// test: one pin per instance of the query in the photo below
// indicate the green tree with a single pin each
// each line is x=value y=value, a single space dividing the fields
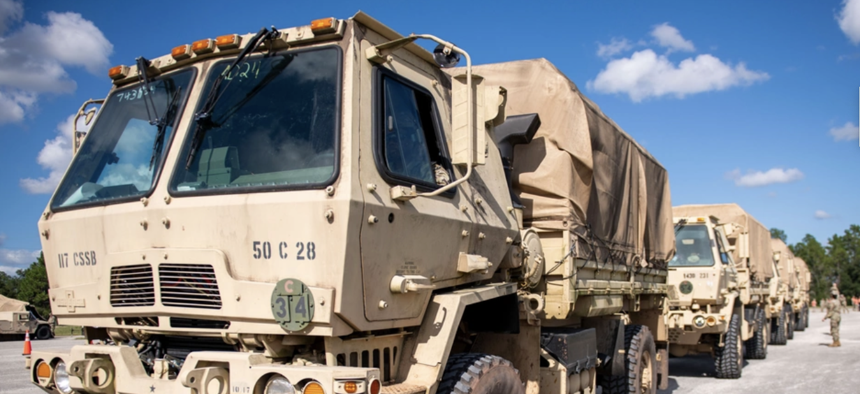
x=777 y=233
x=820 y=266
x=33 y=286
x=8 y=285
x=844 y=253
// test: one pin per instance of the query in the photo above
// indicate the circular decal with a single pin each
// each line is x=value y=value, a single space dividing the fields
x=686 y=287
x=292 y=304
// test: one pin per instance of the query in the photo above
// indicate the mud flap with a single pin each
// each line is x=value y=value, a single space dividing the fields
x=663 y=368
x=610 y=347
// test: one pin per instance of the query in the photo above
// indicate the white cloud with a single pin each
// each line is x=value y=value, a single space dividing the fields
x=849 y=20
x=821 y=215
x=54 y=157
x=615 y=46
x=646 y=74
x=33 y=59
x=12 y=260
x=759 y=178
x=846 y=132
x=668 y=36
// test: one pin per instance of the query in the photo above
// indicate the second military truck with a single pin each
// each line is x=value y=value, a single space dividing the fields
x=332 y=209
x=721 y=277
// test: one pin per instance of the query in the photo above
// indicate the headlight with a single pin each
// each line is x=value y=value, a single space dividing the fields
x=61 y=378
x=279 y=385
x=699 y=321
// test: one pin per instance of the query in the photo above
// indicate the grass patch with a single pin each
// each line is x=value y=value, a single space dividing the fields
x=67 y=331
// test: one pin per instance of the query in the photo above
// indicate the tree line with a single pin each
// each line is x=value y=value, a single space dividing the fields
x=837 y=261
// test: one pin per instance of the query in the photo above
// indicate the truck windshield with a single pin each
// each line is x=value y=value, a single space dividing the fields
x=693 y=246
x=273 y=127
x=113 y=164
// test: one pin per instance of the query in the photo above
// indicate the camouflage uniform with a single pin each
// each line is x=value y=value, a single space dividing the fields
x=843 y=303
x=835 y=318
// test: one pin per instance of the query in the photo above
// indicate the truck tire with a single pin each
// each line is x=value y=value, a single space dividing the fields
x=756 y=347
x=800 y=324
x=777 y=329
x=640 y=363
x=789 y=329
x=476 y=373
x=729 y=359
x=43 y=332
x=806 y=316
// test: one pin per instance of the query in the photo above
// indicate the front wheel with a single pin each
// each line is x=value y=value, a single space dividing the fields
x=43 y=332
x=778 y=329
x=640 y=363
x=790 y=323
x=475 y=373
x=729 y=358
x=756 y=347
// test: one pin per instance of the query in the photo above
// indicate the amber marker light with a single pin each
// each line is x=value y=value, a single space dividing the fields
x=228 y=42
x=324 y=25
x=118 y=72
x=375 y=386
x=181 y=52
x=203 y=46
x=43 y=370
x=313 y=388
x=350 y=387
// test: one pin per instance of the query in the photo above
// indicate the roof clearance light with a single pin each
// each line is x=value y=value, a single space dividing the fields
x=203 y=46
x=701 y=220
x=325 y=25
x=118 y=72
x=181 y=52
x=229 y=41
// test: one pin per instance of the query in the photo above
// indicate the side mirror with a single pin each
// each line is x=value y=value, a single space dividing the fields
x=88 y=115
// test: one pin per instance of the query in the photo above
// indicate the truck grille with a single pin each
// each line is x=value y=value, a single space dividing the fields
x=131 y=285
x=189 y=286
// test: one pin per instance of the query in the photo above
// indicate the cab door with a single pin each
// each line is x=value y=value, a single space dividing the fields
x=403 y=133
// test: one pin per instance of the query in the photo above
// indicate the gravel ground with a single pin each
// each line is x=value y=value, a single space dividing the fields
x=805 y=365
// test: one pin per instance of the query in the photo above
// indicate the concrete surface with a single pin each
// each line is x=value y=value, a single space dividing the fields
x=13 y=376
x=805 y=365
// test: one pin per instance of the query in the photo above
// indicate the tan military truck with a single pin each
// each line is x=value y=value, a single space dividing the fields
x=788 y=291
x=324 y=209
x=18 y=317
x=720 y=276
x=800 y=295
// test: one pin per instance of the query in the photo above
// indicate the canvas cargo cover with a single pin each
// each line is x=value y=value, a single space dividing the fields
x=12 y=305
x=582 y=171
x=760 y=253
x=786 y=262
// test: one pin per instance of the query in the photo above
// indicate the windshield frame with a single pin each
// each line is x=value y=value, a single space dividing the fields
x=183 y=153
x=162 y=157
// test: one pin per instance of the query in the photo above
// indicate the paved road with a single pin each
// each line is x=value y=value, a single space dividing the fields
x=13 y=375
x=806 y=365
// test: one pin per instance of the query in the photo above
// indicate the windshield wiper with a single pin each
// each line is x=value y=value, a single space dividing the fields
x=161 y=130
x=204 y=116
x=681 y=223
x=142 y=66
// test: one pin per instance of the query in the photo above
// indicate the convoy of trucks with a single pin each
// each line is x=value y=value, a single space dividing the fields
x=333 y=209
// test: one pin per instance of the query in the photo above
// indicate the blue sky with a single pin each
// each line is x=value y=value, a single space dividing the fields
x=747 y=102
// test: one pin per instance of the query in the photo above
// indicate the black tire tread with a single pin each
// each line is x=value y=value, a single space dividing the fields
x=43 y=332
x=635 y=337
x=728 y=360
x=464 y=368
x=789 y=313
x=777 y=334
x=756 y=347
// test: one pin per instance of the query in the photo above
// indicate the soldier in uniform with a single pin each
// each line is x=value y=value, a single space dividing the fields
x=835 y=318
x=843 y=304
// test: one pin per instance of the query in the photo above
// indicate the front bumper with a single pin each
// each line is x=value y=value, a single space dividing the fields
x=683 y=330
x=117 y=369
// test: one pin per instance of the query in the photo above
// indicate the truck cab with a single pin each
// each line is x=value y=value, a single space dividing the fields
x=705 y=286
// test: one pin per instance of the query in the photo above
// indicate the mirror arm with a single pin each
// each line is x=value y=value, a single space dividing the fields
x=77 y=136
x=379 y=54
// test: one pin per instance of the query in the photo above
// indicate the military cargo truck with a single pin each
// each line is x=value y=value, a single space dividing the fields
x=18 y=317
x=721 y=277
x=787 y=291
x=800 y=296
x=324 y=209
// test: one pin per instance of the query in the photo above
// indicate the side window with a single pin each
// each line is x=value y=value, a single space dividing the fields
x=410 y=148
